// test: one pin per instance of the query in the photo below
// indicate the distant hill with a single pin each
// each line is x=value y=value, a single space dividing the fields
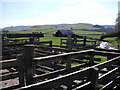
x=16 y=28
x=109 y=26
x=66 y=26
x=80 y=26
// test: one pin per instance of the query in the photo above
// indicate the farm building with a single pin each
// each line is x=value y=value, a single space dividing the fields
x=63 y=33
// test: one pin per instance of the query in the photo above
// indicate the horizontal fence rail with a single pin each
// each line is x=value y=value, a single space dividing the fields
x=56 y=76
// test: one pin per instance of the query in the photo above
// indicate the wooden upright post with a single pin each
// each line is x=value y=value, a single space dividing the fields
x=68 y=63
x=91 y=62
x=94 y=79
x=21 y=71
x=32 y=40
x=50 y=44
x=28 y=60
x=84 y=43
x=69 y=41
x=75 y=40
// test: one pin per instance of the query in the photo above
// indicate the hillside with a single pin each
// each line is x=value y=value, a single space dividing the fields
x=52 y=28
x=66 y=26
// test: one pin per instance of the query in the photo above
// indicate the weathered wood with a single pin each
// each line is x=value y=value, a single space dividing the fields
x=94 y=79
x=69 y=41
x=32 y=40
x=8 y=63
x=57 y=72
x=84 y=43
x=108 y=50
x=111 y=84
x=105 y=53
x=59 y=80
x=28 y=60
x=50 y=44
x=108 y=75
x=21 y=72
x=68 y=63
x=91 y=62
x=59 y=57
x=8 y=76
x=83 y=87
x=46 y=52
x=107 y=63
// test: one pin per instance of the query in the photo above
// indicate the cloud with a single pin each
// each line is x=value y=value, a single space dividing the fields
x=82 y=11
x=87 y=12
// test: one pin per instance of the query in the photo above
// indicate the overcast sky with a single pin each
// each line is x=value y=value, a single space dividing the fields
x=39 y=12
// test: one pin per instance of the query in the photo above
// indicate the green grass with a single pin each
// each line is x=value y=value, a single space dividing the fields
x=103 y=59
x=55 y=40
x=51 y=31
x=87 y=32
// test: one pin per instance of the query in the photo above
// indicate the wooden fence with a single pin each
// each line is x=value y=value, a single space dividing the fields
x=79 y=42
x=58 y=76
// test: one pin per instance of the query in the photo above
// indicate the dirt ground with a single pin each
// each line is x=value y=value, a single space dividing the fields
x=7 y=83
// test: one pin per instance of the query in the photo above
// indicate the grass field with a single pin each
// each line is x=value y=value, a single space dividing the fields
x=56 y=40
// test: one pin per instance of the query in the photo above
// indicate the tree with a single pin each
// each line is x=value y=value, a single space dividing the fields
x=118 y=20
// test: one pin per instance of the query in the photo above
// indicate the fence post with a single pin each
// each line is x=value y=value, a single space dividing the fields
x=84 y=43
x=94 y=79
x=75 y=41
x=69 y=41
x=61 y=42
x=31 y=40
x=28 y=60
x=68 y=63
x=21 y=70
x=50 y=44
x=91 y=62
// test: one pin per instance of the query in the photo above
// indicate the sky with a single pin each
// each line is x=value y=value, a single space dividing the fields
x=40 y=12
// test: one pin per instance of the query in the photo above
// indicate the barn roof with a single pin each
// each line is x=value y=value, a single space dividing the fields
x=65 y=32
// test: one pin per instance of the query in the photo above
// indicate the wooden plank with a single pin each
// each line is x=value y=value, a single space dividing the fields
x=68 y=63
x=59 y=80
x=46 y=52
x=57 y=72
x=94 y=78
x=69 y=41
x=9 y=76
x=108 y=50
x=105 y=53
x=55 y=66
x=114 y=61
x=28 y=60
x=111 y=84
x=91 y=61
x=21 y=70
x=59 y=57
x=73 y=77
x=8 y=63
x=83 y=87
x=107 y=75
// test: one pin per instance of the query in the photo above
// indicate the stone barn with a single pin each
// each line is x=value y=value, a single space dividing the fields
x=63 y=33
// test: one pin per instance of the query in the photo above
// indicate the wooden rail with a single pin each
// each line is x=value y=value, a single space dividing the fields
x=60 y=75
x=91 y=73
x=74 y=42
